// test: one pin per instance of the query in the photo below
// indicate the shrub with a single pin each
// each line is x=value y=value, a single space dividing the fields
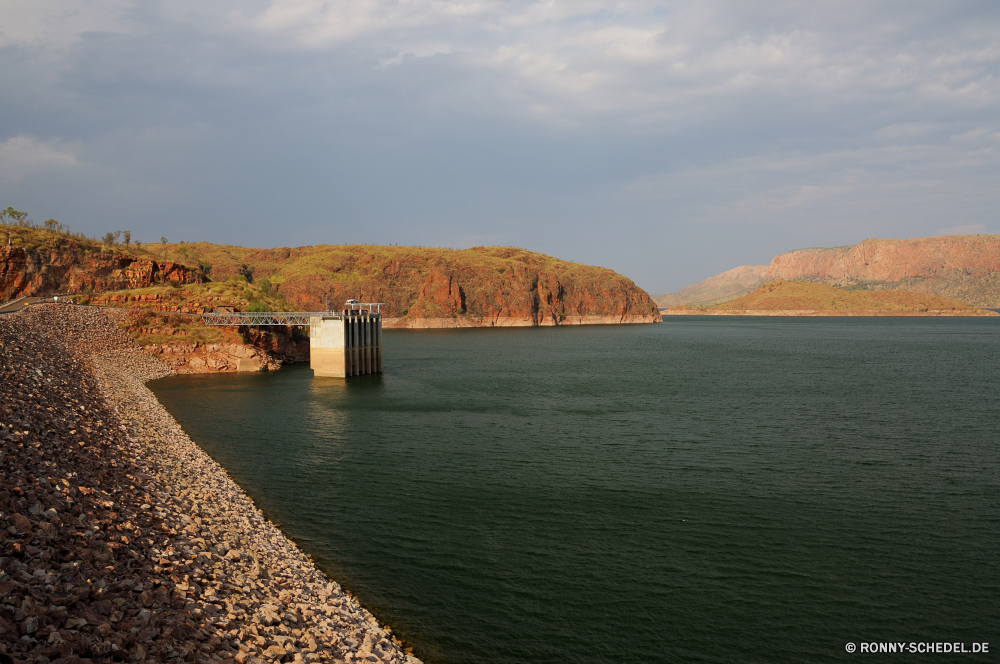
x=257 y=307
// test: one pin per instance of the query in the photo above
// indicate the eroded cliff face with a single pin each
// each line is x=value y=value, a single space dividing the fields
x=474 y=287
x=187 y=357
x=188 y=346
x=70 y=269
x=964 y=267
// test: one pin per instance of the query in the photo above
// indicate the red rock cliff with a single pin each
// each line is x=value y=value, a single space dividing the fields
x=426 y=287
x=965 y=267
x=68 y=268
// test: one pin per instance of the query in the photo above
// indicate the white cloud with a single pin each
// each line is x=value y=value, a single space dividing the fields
x=645 y=61
x=56 y=24
x=23 y=156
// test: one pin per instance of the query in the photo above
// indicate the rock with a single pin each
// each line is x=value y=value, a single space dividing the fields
x=71 y=267
x=964 y=267
x=101 y=464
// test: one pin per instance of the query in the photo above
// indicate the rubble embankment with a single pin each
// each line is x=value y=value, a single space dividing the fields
x=121 y=540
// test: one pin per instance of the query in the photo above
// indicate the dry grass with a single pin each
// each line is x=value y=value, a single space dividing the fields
x=806 y=296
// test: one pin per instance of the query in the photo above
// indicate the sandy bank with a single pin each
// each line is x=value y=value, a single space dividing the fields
x=120 y=540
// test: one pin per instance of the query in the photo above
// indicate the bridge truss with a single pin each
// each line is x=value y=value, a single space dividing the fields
x=264 y=317
x=251 y=318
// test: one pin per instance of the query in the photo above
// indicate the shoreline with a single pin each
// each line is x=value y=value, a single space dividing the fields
x=871 y=313
x=406 y=323
x=174 y=560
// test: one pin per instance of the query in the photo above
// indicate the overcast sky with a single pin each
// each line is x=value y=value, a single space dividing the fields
x=666 y=140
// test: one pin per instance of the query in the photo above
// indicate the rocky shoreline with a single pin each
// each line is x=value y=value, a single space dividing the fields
x=693 y=311
x=120 y=540
x=514 y=321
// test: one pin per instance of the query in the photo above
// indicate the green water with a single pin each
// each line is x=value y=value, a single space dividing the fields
x=705 y=490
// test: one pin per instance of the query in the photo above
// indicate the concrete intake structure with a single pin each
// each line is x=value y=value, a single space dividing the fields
x=345 y=344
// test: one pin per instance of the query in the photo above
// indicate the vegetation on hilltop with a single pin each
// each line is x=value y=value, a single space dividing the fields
x=782 y=295
x=479 y=285
x=21 y=231
x=421 y=281
x=161 y=319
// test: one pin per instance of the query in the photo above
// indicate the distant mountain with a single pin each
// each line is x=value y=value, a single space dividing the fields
x=805 y=298
x=720 y=288
x=963 y=267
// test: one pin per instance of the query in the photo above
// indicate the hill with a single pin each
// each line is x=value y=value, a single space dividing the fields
x=41 y=263
x=422 y=287
x=964 y=267
x=720 y=288
x=806 y=298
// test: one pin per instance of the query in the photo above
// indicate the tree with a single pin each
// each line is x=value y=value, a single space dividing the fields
x=16 y=216
x=109 y=239
x=127 y=237
x=52 y=225
x=247 y=271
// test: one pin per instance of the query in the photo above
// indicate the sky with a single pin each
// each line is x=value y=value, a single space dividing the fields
x=668 y=141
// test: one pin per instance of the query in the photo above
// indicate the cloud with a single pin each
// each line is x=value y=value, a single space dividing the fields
x=57 y=24
x=24 y=156
x=652 y=62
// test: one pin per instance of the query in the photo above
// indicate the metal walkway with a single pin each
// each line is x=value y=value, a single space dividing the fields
x=264 y=317
x=289 y=317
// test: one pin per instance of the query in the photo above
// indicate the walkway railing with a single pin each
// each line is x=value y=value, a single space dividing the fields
x=263 y=317
x=280 y=318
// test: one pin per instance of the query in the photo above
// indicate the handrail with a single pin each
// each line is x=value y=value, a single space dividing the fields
x=253 y=318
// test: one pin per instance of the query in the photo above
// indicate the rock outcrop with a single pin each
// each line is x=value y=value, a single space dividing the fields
x=262 y=351
x=184 y=348
x=68 y=268
x=482 y=286
x=963 y=267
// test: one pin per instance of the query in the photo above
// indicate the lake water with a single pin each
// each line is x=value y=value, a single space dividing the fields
x=705 y=490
